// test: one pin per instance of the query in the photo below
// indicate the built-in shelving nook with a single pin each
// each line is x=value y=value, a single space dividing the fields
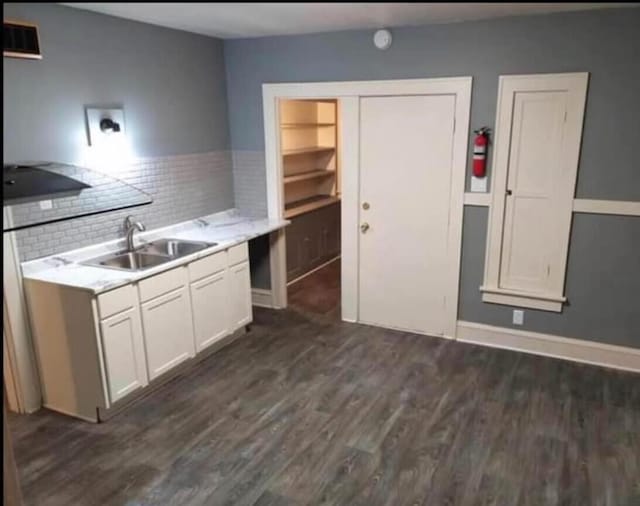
x=310 y=160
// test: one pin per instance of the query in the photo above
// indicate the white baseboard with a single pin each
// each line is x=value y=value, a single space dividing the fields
x=262 y=298
x=588 y=352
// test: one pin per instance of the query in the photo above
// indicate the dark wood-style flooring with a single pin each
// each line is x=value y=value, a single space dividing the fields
x=308 y=410
x=318 y=294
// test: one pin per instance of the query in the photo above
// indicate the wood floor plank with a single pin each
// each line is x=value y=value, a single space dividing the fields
x=308 y=410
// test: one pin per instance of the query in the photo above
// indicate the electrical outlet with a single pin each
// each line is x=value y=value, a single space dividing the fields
x=518 y=316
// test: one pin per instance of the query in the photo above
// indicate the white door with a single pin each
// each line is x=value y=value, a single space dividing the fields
x=240 y=295
x=210 y=315
x=123 y=353
x=406 y=160
x=537 y=145
x=168 y=331
x=535 y=161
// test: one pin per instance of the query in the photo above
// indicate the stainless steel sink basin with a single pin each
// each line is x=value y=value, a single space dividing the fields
x=149 y=255
x=174 y=248
x=129 y=261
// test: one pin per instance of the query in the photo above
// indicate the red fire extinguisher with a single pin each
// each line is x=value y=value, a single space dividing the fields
x=480 y=152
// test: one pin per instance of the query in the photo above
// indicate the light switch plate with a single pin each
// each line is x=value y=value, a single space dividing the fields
x=478 y=184
x=518 y=316
x=97 y=114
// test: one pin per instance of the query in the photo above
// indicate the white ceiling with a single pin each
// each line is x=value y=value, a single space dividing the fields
x=235 y=20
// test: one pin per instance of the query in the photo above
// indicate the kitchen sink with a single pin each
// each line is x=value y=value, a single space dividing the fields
x=129 y=261
x=149 y=255
x=174 y=248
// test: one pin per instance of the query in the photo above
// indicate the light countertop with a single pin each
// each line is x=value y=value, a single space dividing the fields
x=227 y=229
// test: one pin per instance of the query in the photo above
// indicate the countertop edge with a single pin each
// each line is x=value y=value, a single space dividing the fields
x=136 y=276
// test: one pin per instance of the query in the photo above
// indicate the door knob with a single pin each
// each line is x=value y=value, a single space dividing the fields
x=364 y=227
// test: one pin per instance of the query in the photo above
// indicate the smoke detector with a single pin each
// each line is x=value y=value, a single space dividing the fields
x=382 y=39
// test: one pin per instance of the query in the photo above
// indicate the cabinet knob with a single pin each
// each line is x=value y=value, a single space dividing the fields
x=364 y=227
x=509 y=192
x=365 y=205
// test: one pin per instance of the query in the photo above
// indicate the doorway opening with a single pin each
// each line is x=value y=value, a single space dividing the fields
x=371 y=248
x=311 y=170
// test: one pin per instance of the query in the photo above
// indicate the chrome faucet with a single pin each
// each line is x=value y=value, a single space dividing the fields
x=130 y=227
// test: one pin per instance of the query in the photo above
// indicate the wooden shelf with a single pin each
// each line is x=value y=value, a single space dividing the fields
x=306 y=151
x=306 y=125
x=306 y=205
x=312 y=174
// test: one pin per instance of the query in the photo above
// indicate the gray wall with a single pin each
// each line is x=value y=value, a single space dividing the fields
x=602 y=282
x=603 y=278
x=605 y=43
x=171 y=84
x=173 y=90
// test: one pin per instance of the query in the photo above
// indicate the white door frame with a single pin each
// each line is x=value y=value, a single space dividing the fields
x=348 y=93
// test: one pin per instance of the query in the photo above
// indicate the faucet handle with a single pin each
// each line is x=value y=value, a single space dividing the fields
x=127 y=221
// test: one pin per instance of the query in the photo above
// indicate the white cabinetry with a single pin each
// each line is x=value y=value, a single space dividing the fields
x=166 y=320
x=95 y=350
x=125 y=367
x=210 y=291
x=210 y=315
x=168 y=331
x=123 y=352
x=240 y=295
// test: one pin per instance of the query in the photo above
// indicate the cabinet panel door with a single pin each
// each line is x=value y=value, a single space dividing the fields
x=333 y=246
x=168 y=331
x=314 y=240
x=240 y=295
x=331 y=232
x=532 y=183
x=293 y=244
x=210 y=315
x=123 y=349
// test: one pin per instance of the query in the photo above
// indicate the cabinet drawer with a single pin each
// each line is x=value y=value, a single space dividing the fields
x=207 y=266
x=162 y=283
x=116 y=301
x=238 y=253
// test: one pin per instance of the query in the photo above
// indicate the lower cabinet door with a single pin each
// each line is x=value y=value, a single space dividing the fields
x=123 y=351
x=168 y=331
x=293 y=245
x=240 y=295
x=209 y=298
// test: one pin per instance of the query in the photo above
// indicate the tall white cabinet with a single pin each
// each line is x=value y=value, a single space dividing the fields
x=94 y=351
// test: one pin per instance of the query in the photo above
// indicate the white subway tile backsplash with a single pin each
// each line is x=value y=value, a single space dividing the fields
x=183 y=187
x=250 y=182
